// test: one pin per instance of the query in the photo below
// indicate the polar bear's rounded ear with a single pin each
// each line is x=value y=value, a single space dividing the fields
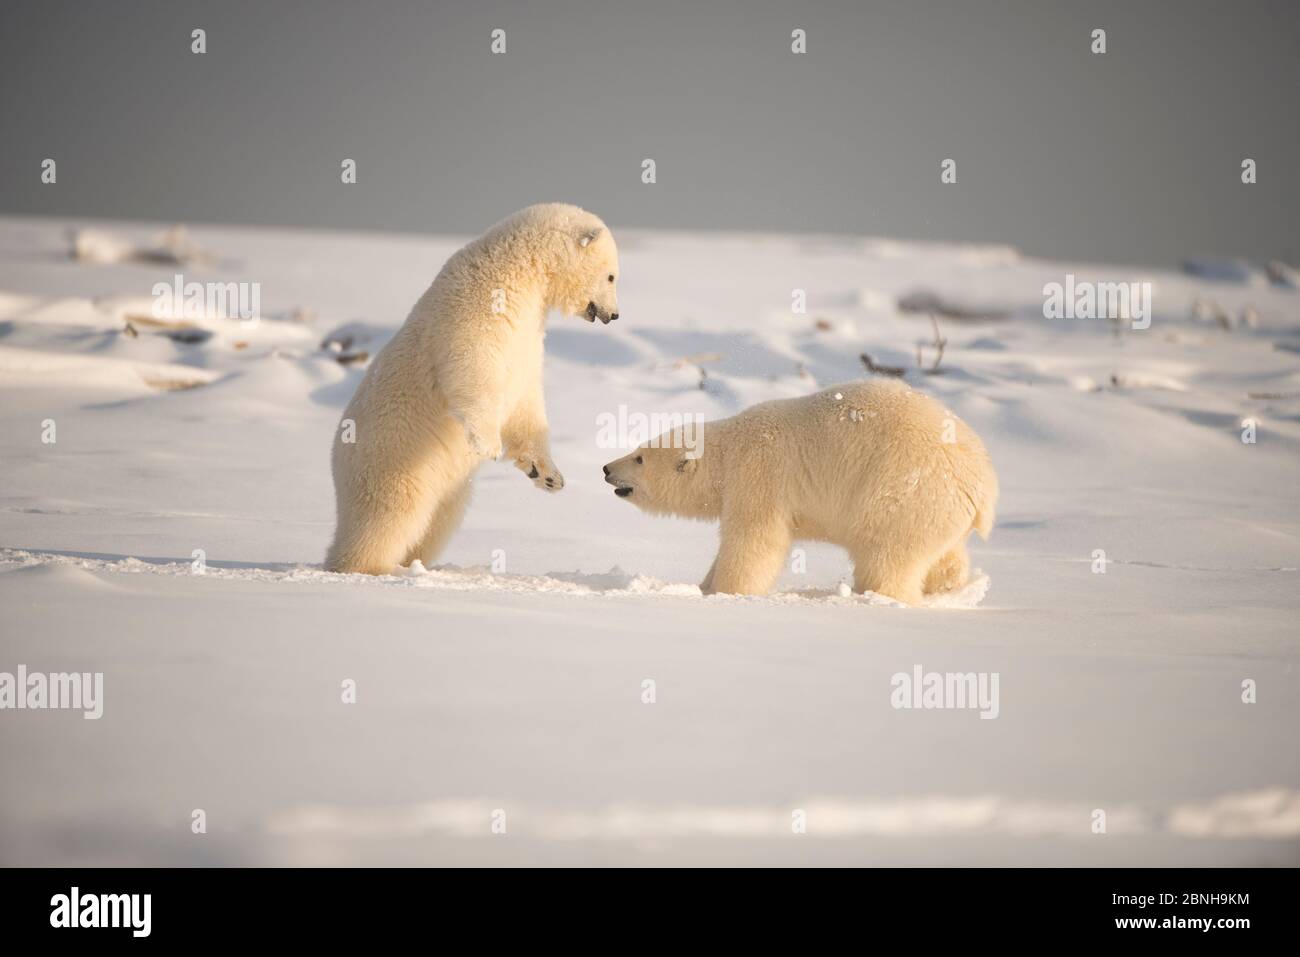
x=588 y=237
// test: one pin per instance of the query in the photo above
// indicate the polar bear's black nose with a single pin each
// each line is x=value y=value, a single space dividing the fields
x=607 y=471
x=613 y=316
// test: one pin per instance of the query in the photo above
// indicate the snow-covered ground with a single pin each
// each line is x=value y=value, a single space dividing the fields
x=507 y=684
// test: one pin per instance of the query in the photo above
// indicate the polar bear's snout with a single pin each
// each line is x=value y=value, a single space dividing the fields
x=591 y=286
x=594 y=312
x=622 y=486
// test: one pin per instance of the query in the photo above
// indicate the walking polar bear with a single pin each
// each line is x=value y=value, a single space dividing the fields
x=876 y=467
x=461 y=382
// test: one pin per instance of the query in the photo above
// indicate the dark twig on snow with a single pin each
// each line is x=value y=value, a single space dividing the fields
x=872 y=367
x=939 y=343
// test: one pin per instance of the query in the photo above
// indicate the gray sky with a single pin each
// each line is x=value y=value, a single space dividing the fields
x=1133 y=155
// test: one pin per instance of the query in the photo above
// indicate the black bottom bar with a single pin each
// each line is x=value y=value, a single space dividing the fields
x=334 y=906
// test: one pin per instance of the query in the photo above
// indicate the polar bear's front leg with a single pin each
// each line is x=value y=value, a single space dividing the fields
x=527 y=441
x=752 y=550
x=472 y=378
x=482 y=425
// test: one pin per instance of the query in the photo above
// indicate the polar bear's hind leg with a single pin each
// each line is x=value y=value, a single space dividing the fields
x=950 y=572
x=384 y=517
x=444 y=521
x=893 y=576
x=371 y=543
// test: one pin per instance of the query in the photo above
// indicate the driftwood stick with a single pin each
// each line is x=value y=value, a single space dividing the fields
x=879 y=369
x=939 y=343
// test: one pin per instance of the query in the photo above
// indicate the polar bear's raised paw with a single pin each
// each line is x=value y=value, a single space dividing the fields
x=544 y=474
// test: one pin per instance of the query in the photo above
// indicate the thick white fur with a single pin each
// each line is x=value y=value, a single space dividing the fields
x=462 y=382
x=875 y=466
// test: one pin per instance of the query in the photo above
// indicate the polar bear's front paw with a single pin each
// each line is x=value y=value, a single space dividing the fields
x=544 y=475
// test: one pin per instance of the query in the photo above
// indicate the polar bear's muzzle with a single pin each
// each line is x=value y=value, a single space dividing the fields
x=621 y=488
x=594 y=312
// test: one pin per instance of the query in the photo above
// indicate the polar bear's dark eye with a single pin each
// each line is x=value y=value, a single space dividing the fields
x=611 y=277
x=639 y=460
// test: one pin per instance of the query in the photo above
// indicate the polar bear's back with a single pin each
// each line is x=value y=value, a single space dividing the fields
x=875 y=410
x=904 y=451
x=888 y=411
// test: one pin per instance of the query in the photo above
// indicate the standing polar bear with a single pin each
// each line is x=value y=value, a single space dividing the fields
x=461 y=382
x=875 y=467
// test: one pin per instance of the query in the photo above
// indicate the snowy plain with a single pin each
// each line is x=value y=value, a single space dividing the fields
x=510 y=678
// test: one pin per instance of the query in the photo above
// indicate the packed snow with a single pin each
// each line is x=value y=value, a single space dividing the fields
x=556 y=690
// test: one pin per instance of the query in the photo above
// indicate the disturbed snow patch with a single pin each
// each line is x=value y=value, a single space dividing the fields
x=615 y=582
x=827 y=817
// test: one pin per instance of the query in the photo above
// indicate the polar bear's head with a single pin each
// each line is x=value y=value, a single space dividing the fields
x=669 y=475
x=585 y=284
x=571 y=249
